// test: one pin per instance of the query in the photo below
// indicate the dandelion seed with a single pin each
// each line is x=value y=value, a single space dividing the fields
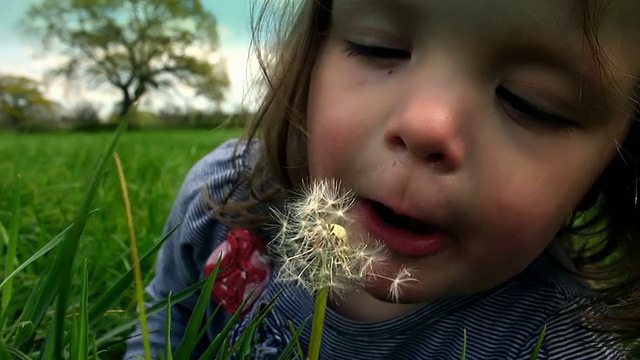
x=398 y=283
x=312 y=244
x=369 y=260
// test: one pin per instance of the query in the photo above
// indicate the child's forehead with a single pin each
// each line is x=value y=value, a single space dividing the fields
x=620 y=13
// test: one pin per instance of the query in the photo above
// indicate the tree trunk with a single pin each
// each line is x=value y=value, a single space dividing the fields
x=127 y=101
x=15 y=121
x=125 y=105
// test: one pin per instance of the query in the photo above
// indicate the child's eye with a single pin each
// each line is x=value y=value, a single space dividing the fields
x=531 y=112
x=379 y=52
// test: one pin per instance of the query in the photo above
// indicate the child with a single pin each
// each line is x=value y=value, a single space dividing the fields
x=492 y=146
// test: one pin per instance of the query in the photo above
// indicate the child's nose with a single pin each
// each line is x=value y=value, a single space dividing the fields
x=427 y=124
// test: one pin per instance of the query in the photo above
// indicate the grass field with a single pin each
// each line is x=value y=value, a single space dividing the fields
x=54 y=170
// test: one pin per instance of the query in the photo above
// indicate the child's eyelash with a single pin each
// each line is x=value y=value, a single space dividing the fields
x=522 y=106
x=531 y=111
x=354 y=49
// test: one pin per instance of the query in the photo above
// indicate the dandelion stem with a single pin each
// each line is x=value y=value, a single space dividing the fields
x=318 y=324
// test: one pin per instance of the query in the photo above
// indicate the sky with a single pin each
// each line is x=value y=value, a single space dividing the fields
x=23 y=55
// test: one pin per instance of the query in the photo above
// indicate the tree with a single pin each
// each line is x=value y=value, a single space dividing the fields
x=133 y=45
x=84 y=115
x=21 y=100
x=84 y=112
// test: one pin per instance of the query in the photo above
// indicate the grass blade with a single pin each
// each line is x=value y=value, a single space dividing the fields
x=4 y=235
x=34 y=311
x=203 y=331
x=25 y=332
x=46 y=289
x=222 y=335
x=222 y=353
x=4 y=353
x=74 y=339
x=536 y=350
x=83 y=328
x=464 y=344
x=288 y=350
x=190 y=340
x=43 y=250
x=40 y=295
x=246 y=338
x=94 y=353
x=17 y=354
x=47 y=351
x=180 y=296
x=134 y=259
x=10 y=257
x=169 y=349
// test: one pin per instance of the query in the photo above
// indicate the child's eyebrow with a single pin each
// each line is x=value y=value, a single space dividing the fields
x=357 y=6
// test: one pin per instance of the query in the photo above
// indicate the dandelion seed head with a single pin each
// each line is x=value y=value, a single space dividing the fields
x=338 y=232
x=314 y=248
x=312 y=244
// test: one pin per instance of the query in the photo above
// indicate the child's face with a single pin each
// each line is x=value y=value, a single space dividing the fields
x=481 y=119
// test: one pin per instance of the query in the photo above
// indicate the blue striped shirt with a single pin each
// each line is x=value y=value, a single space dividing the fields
x=502 y=323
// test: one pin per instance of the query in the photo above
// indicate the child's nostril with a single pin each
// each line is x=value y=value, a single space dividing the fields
x=435 y=157
x=397 y=143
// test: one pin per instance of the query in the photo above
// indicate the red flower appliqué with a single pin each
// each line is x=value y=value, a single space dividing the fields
x=243 y=267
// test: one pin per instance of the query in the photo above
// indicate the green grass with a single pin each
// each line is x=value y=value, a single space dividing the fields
x=54 y=171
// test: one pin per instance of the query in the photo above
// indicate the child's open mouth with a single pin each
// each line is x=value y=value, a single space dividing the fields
x=402 y=221
x=399 y=233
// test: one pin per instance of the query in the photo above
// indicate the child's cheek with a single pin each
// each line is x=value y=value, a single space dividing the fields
x=336 y=132
x=327 y=146
x=519 y=229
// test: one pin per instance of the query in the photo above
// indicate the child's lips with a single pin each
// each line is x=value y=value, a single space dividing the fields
x=400 y=240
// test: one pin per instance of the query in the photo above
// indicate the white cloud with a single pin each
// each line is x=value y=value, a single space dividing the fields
x=224 y=31
x=242 y=71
